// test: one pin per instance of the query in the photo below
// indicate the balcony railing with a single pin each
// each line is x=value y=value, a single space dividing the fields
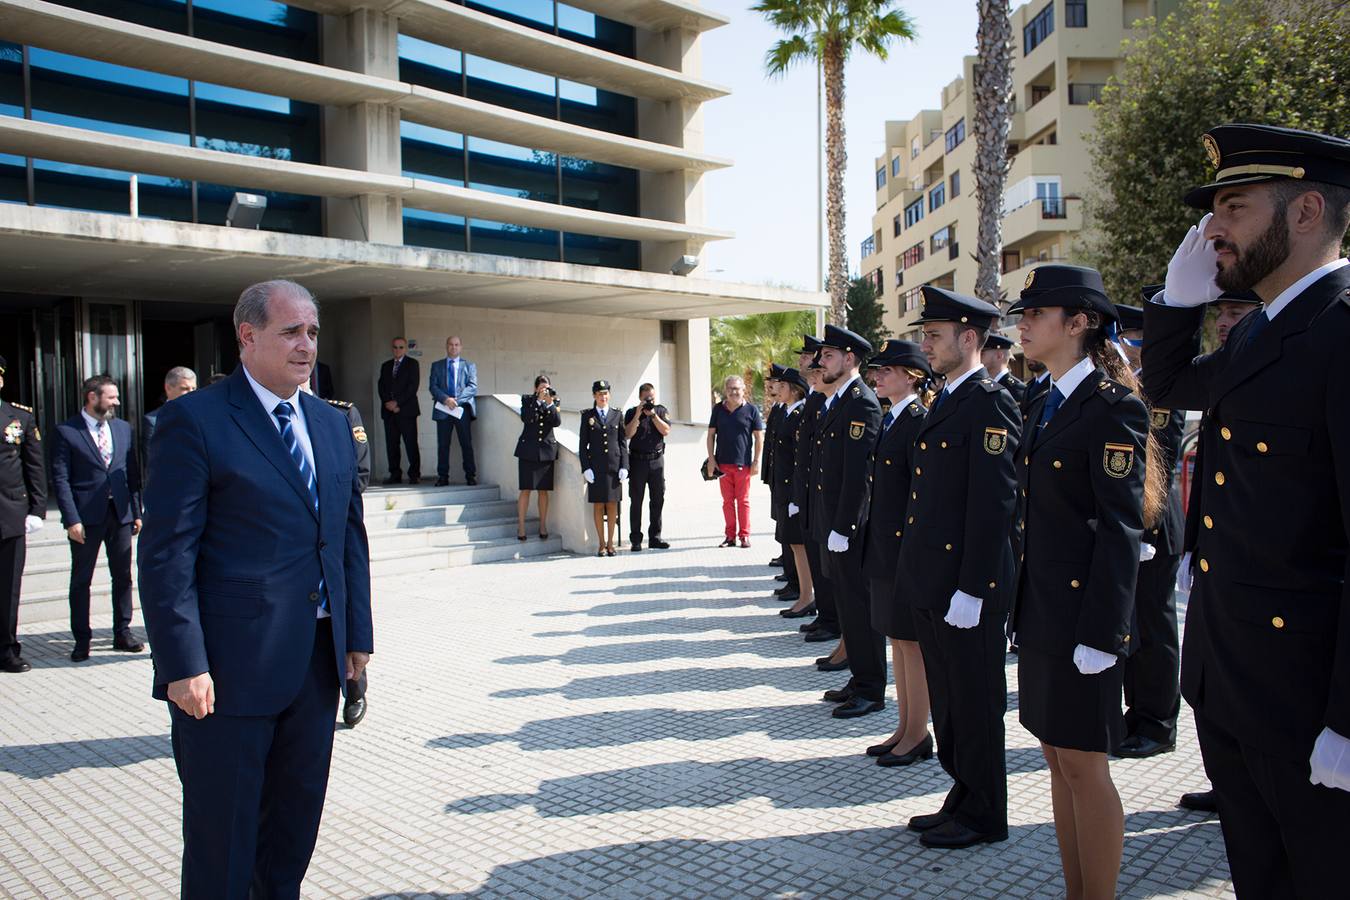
x=1054 y=208
x=869 y=246
x=953 y=250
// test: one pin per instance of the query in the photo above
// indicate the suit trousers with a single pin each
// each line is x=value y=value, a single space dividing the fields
x=1286 y=837
x=645 y=475
x=1153 y=671
x=866 y=646
x=827 y=611
x=445 y=428
x=402 y=428
x=13 y=552
x=254 y=786
x=116 y=538
x=969 y=696
x=789 y=566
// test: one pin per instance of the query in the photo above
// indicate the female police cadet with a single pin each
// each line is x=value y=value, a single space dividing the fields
x=537 y=451
x=1089 y=479
x=603 y=450
x=902 y=376
x=782 y=454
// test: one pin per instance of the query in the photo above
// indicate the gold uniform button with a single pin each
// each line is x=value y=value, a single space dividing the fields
x=918 y=471
x=1057 y=464
x=1227 y=435
x=910 y=521
x=944 y=445
x=949 y=546
x=1262 y=447
x=1204 y=565
x=993 y=584
x=1277 y=622
x=1209 y=523
x=1026 y=460
x=897 y=534
x=1218 y=478
x=1075 y=583
x=888 y=462
x=923 y=445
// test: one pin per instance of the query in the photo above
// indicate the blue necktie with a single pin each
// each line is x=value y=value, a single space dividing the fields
x=450 y=373
x=285 y=413
x=887 y=420
x=1052 y=405
x=1258 y=325
x=942 y=395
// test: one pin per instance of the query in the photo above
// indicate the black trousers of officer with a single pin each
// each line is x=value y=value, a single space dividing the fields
x=827 y=611
x=645 y=475
x=789 y=566
x=1286 y=837
x=116 y=538
x=13 y=552
x=968 y=692
x=402 y=428
x=1153 y=671
x=866 y=646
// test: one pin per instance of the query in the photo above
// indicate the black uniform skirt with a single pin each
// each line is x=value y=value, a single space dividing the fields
x=1065 y=708
x=536 y=475
x=605 y=489
x=891 y=615
x=788 y=529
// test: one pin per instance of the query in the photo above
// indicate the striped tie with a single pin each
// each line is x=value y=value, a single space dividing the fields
x=285 y=413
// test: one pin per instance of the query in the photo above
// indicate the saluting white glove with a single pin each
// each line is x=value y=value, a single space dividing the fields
x=793 y=509
x=1331 y=760
x=32 y=524
x=589 y=476
x=1090 y=661
x=836 y=543
x=964 y=611
x=623 y=474
x=1147 y=552
x=1185 y=574
x=1190 y=274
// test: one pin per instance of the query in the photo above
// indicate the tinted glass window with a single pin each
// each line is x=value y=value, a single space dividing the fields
x=432 y=153
x=504 y=239
x=502 y=85
x=422 y=228
x=430 y=65
x=589 y=250
x=258 y=25
x=86 y=93
x=600 y=187
x=170 y=15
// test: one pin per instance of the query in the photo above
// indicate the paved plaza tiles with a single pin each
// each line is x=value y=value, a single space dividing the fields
x=643 y=726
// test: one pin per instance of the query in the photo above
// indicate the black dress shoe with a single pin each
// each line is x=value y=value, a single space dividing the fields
x=414 y=479
x=952 y=835
x=924 y=750
x=15 y=666
x=353 y=712
x=471 y=480
x=776 y=561
x=929 y=821
x=394 y=479
x=1200 y=801
x=1137 y=746
x=858 y=707
x=727 y=543
x=442 y=482
x=808 y=627
x=881 y=749
x=799 y=614
x=780 y=577
x=841 y=695
x=637 y=546
x=828 y=666
x=80 y=653
x=657 y=544
x=128 y=644
x=789 y=597
x=821 y=635
x=822 y=660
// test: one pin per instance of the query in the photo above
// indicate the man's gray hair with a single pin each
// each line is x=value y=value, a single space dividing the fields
x=179 y=374
x=252 y=304
x=733 y=379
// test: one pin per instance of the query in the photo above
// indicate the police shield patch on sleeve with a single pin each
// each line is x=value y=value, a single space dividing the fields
x=1160 y=417
x=359 y=433
x=995 y=440
x=855 y=430
x=1118 y=460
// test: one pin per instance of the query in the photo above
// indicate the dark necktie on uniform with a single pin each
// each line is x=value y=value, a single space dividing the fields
x=1052 y=405
x=1259 y=323
x=887 y=420
x=285 y=413
x=942 y=395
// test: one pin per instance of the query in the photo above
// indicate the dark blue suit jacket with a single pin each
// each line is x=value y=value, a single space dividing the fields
x=232 y=551
x=83 y=486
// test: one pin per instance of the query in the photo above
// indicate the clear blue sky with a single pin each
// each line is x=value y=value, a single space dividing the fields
x=768 y=128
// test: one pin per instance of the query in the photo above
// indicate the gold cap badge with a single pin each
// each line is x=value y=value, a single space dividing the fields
x=1212 y=148
x=1031 y=276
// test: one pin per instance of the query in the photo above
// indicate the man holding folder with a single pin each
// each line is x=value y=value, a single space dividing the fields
x=454 y=385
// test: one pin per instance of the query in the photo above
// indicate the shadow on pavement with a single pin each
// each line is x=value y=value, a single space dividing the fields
x=44 y=760
x=651 y=651
x=51 y=649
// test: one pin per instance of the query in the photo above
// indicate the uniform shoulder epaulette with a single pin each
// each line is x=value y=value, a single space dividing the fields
x=1112 y=391
x=991 y=385
x=1345 y=296
x=340 y=404
x=857 y=391
x=915 y=409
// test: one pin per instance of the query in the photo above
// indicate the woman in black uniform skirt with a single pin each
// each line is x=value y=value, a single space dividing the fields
x=537 y=451
x=783 y=455
x=603 y=450
x=1089 y=480
x=902 y=375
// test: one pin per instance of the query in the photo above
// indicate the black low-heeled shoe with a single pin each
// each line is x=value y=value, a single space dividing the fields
x=799 y=614
x=923 y=750
x=543 y=535
x=521 y=537
x=881 y=749
x=828 y=666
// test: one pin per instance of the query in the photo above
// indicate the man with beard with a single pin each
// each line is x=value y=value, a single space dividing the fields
x=825 y=626
x=1266 y=662
x=837 y=503
x=957 y=559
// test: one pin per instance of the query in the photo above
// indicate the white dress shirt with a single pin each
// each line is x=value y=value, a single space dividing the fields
x=1075 y=376
x=269 y=402
x=94 y=426
x=1273 y=307
x=838 y=392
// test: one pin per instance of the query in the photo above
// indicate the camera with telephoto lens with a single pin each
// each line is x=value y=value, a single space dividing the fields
x=648 y=405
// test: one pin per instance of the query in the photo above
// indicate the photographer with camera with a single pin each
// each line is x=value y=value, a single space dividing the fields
x=646 y=426
x=537 y=451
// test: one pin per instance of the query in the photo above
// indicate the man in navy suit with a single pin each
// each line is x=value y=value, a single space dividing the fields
x=255 y=585
x=97 y=482
x=454 y=384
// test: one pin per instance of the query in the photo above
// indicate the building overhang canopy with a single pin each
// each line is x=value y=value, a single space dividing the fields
x=55 y=251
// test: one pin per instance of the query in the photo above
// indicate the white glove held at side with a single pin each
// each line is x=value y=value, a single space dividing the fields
x=623 y=474
x=964 y=611
x=1147 y=552
x=589 y=476
x=793 y=509
x=837 y=543
x=1190 y=274
x=1090 y=661
x=1331 y=760
x=32 y=524
x=1185 y=574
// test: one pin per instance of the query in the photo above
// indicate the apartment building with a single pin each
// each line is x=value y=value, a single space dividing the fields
x=926 y=222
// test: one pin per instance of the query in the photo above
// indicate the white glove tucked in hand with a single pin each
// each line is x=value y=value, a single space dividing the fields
x=589 y=476
x=1331 y=760
x=1090 y=661
x=1190 y=274
x=1147 y=552
x=964 y=611
x=793 y=509
x=623 y=474
x=32 y=524
x=836 y=543
x=1185 y=574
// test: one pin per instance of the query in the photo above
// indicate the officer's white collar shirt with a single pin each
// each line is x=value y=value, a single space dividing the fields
x=903 y=404
x=953 y=385
x=788 y=410
x=94 y=425
x=1075 y=376
x=839 y=392
x=1041 y=377
x=1002 y=373
x=1288 y=294
x=269 y=402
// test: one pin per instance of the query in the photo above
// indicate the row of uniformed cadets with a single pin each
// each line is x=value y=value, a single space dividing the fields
x=938 y=527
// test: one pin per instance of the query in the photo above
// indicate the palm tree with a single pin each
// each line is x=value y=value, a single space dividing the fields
x=746 y=345
x=827 y=32
x=993 y=117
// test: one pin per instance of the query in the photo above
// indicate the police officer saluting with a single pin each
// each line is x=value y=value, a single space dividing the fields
x=23 y=504
x=1266 y=658
x=959 y=567
x=646 y=426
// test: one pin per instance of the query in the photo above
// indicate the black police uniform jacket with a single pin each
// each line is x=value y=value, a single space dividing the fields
x=23 y=480
x=782 y=457
x=360 y=440
x=602 y=447
x=806 y=445
x=1267 y=645
x=1035 y=390
x=891 y=466
x=845 y=436
x=1079 y=522
x=536 y=442
x=961 y=499
x=1167 y=534
x=1016 y=386
x=771 y=423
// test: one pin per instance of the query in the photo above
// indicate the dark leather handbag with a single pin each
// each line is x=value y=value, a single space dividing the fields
x=703 y=470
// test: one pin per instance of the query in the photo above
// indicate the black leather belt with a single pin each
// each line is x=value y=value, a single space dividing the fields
x=646 y=456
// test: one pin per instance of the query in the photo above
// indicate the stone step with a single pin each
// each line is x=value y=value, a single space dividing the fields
x=449 y=535
x=436 y=516
x=405 y=562
x=387 y=499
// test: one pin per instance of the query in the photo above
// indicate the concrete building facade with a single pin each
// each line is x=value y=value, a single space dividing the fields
x=523 y=173
x=925 y=226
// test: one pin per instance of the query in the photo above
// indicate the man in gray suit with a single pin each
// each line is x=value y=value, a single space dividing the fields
x=454 y=388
